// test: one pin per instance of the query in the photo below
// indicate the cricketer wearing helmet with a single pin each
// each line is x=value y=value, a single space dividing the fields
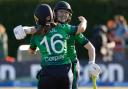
x=52 y=43
x=20 y=32
x=62 y=14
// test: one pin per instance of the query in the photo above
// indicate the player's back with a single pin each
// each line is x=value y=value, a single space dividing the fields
x=53 y=45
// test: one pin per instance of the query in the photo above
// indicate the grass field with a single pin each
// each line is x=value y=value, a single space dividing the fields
x=79 y=88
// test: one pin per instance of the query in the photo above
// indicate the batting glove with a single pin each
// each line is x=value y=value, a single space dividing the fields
x=94 y=70
x=19 y=32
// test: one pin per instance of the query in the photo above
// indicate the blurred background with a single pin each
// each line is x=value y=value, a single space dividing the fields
x=107 y=29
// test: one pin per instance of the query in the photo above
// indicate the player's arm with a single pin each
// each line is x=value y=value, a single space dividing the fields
x=94 y=69
x=77 y=29
x=21 y=32
x=32 y=51
x=33 y=46
x=91 y=52
x=82 y=40
x=82 y=26
x=29 y=30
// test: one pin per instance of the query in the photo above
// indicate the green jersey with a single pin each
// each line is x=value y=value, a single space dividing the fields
x=53 y=45
x=71 y=45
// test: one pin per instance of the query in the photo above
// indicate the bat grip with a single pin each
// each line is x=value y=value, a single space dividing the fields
x=94 y=82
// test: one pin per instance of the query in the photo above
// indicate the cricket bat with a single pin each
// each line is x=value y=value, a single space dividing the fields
x=94 y=82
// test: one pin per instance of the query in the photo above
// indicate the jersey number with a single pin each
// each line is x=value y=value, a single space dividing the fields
x=53 y=43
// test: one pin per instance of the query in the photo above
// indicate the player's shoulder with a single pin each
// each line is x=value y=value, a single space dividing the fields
x=68 y=26
x=80 y=35
x=61 y=26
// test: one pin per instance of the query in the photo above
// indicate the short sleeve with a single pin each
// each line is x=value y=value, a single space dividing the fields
x=81 y=39
x=70 y=29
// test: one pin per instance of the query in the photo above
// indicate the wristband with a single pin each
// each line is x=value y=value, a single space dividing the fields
x=91 y=62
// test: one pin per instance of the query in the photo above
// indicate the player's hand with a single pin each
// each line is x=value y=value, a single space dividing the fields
x=31 y=51
x=81 y=18
x=19 y=32
x=94 y=70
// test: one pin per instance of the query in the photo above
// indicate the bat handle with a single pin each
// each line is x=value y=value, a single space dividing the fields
x=94 y=82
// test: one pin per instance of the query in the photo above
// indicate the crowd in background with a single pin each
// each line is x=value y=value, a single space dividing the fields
x=111 y=39
x=4 y=45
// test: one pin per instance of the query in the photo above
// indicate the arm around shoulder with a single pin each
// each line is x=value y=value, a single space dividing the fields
x=82 y=26
x=21 y=32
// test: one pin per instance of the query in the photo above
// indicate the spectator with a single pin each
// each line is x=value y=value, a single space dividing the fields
x=118 y=32
x=107 y=44
x=121 y=27
x=121 y=34
x=3 y=42
x=102 y=42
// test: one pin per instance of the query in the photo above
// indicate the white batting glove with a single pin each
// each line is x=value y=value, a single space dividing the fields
x=19 y=32
x=94 y=70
